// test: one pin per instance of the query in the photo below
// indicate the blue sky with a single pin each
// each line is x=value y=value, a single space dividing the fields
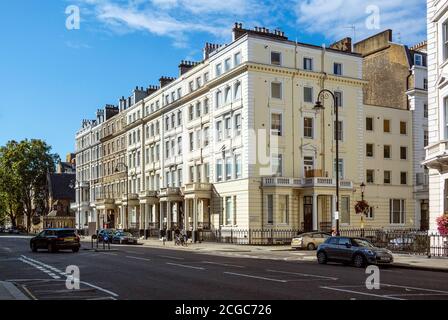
x=51 y=77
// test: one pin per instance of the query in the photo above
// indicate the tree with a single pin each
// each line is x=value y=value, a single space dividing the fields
x=23 y=175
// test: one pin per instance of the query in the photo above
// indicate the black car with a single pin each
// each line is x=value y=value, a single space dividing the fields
x=56 y=239
x=357 y=251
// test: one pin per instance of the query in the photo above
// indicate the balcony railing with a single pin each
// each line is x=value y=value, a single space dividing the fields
x=198 y=187
x=166 y=192
x=285 y=182
x=149 y=194
x=305 y=183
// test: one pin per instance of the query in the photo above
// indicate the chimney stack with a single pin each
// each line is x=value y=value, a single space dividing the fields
x=165 y=81
x=186 y=66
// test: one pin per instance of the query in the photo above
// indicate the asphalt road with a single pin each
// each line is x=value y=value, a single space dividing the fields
x=142 y=273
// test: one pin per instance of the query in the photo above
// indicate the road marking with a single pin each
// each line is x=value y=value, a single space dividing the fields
x=184 y=266
x=362 y=293
x=40 y=268
x=414 y=288
x=138 y=253
x=99 y=288
x=254 y=277
x=223 y=264
x=29 y=292
x=109 y=254
x=44 y=265
x=304 y=275
x=138 y=258
x=169 y=257
x=82 y=282
x=7 y=249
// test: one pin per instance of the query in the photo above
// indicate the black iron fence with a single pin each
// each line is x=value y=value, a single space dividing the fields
x=249 y=236
x=406 y=241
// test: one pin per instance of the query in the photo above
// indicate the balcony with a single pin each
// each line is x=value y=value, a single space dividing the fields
x=327 y=182
x=282 y=182
x=306 y=183
x=167 y=192
x=198 y=187
x=148 y=194
x=437 y=156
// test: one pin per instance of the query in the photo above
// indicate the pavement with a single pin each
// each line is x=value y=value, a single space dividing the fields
x=201 y=272
x=286 y=253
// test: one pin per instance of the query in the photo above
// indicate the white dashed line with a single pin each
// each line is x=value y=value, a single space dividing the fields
x=184 y=266
x=137 y=258
x=255 y=277
x=169 y=257
x=223 y=264
x=304 y=275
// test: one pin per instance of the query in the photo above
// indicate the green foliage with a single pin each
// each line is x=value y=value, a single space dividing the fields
x=23 y=174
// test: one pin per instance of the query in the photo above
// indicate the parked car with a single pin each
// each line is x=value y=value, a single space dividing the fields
x=124 y=238
x=106 y=233
x=13 y=231
x=357 y=251
x=56 y=239
x=309 y=240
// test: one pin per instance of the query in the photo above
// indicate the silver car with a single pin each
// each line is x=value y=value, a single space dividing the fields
x=309 y=240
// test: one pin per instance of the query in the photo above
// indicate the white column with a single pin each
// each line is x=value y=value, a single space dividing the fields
x=147 y=216
x=195 y=217
x=315 y=214
x=168 y=214
x=161 y=216
x=186 y=215
x=142 y=216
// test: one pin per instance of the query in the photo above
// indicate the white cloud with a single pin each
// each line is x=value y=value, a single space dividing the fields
x=333 y=18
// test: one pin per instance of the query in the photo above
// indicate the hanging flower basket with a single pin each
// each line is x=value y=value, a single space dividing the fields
x=362 y=207
x=442 y=225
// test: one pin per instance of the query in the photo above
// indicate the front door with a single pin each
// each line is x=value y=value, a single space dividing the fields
x=307 y=214
x=424 y=215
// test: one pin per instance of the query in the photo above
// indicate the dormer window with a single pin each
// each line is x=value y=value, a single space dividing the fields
x=418 y=60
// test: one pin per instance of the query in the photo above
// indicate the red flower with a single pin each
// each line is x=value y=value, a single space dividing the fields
x=442 y=224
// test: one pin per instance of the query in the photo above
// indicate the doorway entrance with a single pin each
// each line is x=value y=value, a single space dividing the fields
x=307 y=214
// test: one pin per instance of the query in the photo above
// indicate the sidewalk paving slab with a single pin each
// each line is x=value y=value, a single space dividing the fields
x=8 y=291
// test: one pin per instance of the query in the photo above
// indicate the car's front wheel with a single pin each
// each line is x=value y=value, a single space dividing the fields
x=311 y=247
x=322 y=258
x=33 y=247
x=359 y=261
x=75 y=250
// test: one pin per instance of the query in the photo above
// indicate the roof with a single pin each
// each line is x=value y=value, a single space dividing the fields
x=61 y=186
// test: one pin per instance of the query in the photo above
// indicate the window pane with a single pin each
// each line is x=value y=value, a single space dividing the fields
x=369 y=124
x=276 y=124
x=276 y=90
x=270 y=208
x=308 y=94
x=276 y=58
x=308 y=127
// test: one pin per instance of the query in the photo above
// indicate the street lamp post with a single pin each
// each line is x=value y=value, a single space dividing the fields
x=363 y=189
x=127 y=185
x=326 y=94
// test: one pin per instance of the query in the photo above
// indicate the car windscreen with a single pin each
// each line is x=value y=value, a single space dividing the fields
x=362 y=243
x=65 y=233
